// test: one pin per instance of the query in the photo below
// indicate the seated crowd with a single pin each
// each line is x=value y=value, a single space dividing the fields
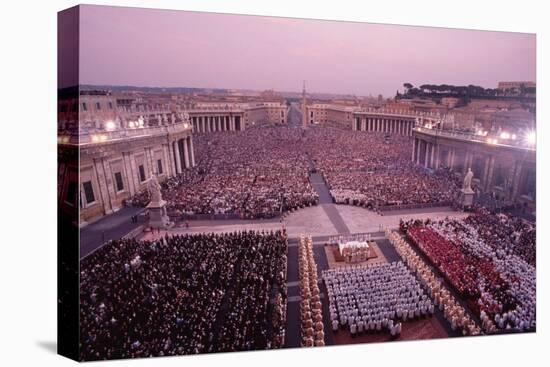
x=257 y=173
x=372 y=170
x=261 y=172
x=489 y=259
x=374 y=297
x=311 y=314
x=453 y=311
x=183 y=295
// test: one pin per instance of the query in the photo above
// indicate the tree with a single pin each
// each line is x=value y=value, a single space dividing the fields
x=408 y=87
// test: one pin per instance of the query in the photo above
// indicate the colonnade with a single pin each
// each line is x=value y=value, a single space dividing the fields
x=207 y=124
x=515 y=166
x=183 y=154
x=390 y=125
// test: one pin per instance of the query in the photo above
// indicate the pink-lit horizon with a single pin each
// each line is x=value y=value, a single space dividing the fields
x=166 y=48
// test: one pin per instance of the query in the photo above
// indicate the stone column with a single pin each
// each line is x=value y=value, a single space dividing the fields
x=185 y=152
x=149 y=161
x=166 y=166
x=413 y=150
x=172 y=155
x=191 y=151
x=178 y=156
x=489 y=176
x=426 y=155
x=128 y=173
x=437 y=155
x=432 y=155
x=483 y=177
x=516 y=179
x=102 y=185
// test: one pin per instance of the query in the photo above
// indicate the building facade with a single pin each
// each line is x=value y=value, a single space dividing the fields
x=262 y=113
x=505 y=169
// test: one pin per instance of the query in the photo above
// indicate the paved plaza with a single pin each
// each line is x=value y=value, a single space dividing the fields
x=318 y=221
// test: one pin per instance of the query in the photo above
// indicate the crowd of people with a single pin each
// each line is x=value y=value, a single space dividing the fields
x=453 y=311
x=375 y=297
x=374 y=170
x=183 y=295
x=311 y=314
x=257 y=173
x=490 y=260
x=262 y=172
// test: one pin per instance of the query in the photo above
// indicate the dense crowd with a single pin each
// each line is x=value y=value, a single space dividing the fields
x=183 y=295
x=490 y=260
x=257 y=173
x=375 y=297
x=374 y=170
x=311 y=314
x=453 y=311
x=261 y=172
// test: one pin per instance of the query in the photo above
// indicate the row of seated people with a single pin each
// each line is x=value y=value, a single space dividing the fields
x=311 y=314
x=454 y=312
x=374 y=297
x=483 y=266
x=181 y=295
x=405 y=185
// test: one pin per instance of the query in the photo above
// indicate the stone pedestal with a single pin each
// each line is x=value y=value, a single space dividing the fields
x=466 y=198
x=157 y=215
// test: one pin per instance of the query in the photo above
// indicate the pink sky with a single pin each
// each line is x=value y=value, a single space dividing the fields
x=144 y=47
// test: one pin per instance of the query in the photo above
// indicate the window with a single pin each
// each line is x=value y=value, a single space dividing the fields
x=119 y=182
x=71 y=193
x=159 y=166
x=88 y=192
x=98 y=106
x=141 y=173
x=84 y=108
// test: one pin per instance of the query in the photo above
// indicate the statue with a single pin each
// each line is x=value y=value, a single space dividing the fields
x=467 y=184
x=154 y=189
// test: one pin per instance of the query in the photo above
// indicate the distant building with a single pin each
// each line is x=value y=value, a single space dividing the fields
x=262 y=113
x=516 y=86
